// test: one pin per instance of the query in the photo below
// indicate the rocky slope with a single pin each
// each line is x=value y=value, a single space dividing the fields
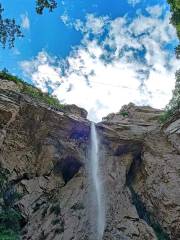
x=44 y=153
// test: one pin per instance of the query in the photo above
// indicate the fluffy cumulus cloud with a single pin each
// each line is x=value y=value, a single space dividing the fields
x=155 y=11
x=43 y=71
x=92 y=24
x=126 y=60
x=25 y=22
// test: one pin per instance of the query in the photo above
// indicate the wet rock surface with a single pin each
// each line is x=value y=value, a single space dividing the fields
x=46 y=154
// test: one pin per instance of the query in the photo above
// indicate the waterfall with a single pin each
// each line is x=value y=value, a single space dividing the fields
x=97 y=185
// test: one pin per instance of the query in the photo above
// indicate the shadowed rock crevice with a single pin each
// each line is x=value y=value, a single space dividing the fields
x=134 y=148
x=24 y=176
x=80 y=133
x=136 y=151
x=148 y=216
x=142 y=211
x=68 y=167
x=5 y=117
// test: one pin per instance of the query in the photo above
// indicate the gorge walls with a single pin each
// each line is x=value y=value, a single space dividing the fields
x=44 y=159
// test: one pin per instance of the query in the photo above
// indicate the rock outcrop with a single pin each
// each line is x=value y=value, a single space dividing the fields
x=45 y=152
x=142 y=172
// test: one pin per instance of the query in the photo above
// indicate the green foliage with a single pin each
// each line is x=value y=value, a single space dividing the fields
x=165 y=116
x=31 y=90
x=174 y=104
x=42 y=4
x=4 y=74
x=9 y=30
x=44 y=97
x=175 y=19
x=124 y=114
x=9 y=217
x=8 y=234
x=178 y=52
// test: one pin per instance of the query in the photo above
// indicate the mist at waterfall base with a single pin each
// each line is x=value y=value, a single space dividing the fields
x=98 y=206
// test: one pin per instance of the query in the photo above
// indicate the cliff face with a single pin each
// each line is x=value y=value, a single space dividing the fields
x=45 y=155
x=143 y=165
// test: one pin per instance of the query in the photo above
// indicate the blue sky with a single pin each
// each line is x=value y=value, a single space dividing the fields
x=96 y=54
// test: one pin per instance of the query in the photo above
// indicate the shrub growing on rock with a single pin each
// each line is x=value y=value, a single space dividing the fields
x=31 y=90
x=10 y=218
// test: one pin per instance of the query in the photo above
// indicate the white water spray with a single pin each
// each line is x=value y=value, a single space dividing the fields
x=97 y=184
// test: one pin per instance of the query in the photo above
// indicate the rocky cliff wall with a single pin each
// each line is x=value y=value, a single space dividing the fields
x=44 y=155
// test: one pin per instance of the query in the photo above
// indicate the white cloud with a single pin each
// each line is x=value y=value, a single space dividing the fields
x=155 y=11
x=42 y=71
x=65 y=18
x=92 y=24
x=133 y=2
x=25 y=21
x=129 y=64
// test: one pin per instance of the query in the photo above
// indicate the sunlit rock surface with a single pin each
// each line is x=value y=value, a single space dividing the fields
x=46 y=152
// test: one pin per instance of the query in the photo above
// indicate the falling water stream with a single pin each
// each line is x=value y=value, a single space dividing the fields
x=97 y=184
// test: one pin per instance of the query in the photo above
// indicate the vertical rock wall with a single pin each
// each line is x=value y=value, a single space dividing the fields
x=44 y=158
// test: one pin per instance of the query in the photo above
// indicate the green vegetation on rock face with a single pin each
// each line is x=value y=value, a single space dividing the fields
x=31 y=90
x=10 y=217
x=44 y=97
x=165 y=116
x=175 y=19
x=7 y=76
x=174 y=103
x=124 y=114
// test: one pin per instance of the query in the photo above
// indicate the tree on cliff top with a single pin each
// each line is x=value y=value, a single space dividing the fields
x=42 y=4
x=175 y=19
x=9 y=30
x=174 y=103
